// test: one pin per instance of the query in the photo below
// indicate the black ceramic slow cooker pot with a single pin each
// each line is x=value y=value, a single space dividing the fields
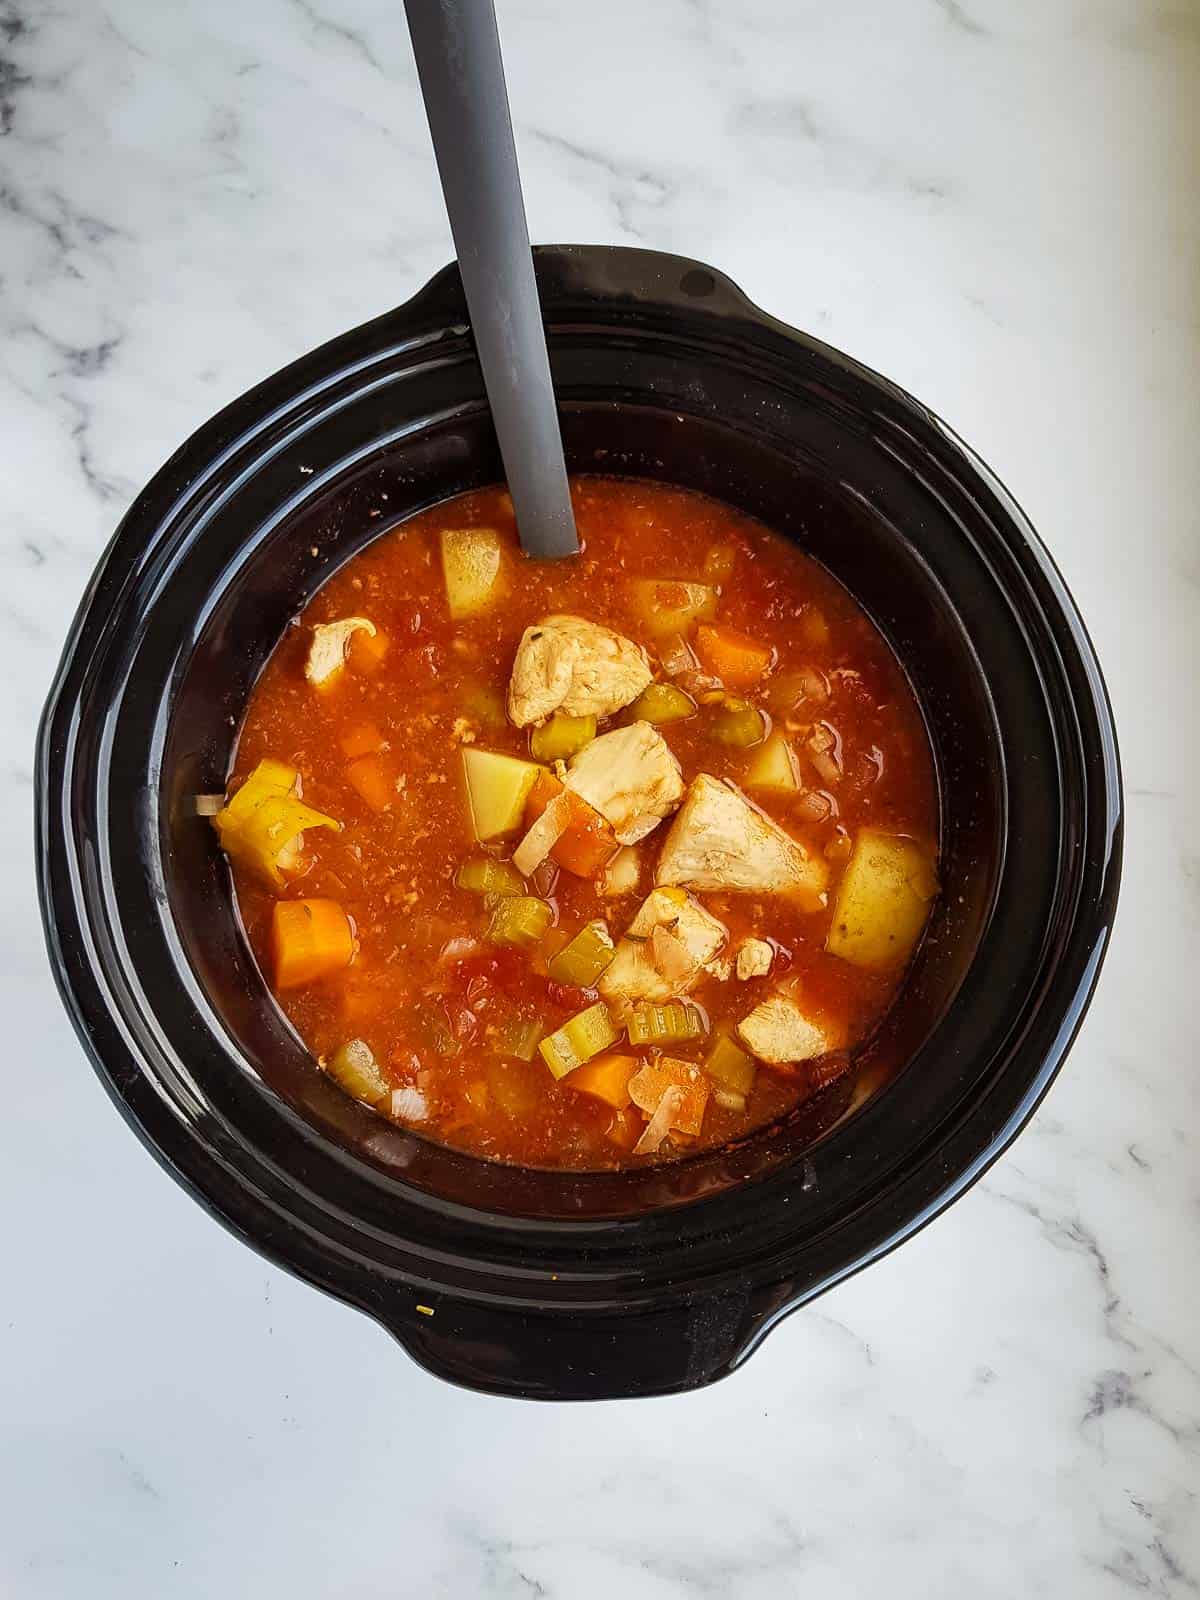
x=548 y=1284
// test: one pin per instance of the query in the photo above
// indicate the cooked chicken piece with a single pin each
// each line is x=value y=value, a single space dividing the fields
x=777 y=1031
x=330 y=641
x=568 y=664
x=664 y=950
x=621 y=875
x=754 y=959
x=630 y=777
x=720 y=841
x=721 y=969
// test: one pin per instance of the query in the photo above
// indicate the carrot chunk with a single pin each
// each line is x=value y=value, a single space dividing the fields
x=588 y=843
x=605 y=1078
x=309 y=940
x=366 y=652
x=734 y=657
x=373 y=778
x=363 y=739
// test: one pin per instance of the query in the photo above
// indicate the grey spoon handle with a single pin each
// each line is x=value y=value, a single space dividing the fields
x=457 y=48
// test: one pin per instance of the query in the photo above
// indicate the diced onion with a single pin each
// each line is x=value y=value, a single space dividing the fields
x=207 y=805
x=814 y=806
x=659 y=1126
x=543 y=836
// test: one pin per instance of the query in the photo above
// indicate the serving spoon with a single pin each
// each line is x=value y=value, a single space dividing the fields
x=457 y=47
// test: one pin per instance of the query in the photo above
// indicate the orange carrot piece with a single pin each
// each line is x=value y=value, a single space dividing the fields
x=588 y=844
x=366 y=652
x=545 y=787
x=373 y=779
x=363 y=739
x=626 y=1127
x=309 y=940
x=605 y=1078
x=734 y=657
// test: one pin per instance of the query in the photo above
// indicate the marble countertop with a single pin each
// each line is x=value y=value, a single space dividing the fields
x=994 y=203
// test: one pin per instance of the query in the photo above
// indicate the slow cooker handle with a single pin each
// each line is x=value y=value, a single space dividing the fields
x=560 y=1354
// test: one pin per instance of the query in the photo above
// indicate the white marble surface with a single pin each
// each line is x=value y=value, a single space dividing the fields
x=994 y=201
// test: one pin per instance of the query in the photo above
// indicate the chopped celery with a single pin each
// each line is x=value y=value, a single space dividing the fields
x=483 y=875
x=433 y=1032
x=561 y=737
x=661 y=703
x=517 y=1036
x=737 y=723
x=354 y=1066
x=578 y=1040
x=519 y=920
x=730 y=1066
x=585 y=958
x=485 y=704
x=669 y=1023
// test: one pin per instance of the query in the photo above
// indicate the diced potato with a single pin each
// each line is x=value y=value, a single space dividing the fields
x=606 y=1078
x=561 y=737
x=483 y=875
x=730 y=1066
x=662 y=703
x=774 y=768
x=584 y=1036
x=354 y=1066
x=664 y=606
x=519 y=920
x=719 y=563
x=882 y=901
x=498 y=787
x=473 y=566
x=670 y=1023
x=583 y=960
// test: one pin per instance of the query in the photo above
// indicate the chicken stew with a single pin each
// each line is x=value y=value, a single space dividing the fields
x=587 y=863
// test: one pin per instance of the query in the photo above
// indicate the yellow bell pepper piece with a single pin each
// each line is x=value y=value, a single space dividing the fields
x=262 y=826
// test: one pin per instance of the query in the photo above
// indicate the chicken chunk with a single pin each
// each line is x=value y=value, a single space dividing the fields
x=778 y=1032
x=330 y=642
x=630 y=777
x=719 y=841
x=664 y=951
x=754 y=959
x=568 y=664
x=621 y=876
